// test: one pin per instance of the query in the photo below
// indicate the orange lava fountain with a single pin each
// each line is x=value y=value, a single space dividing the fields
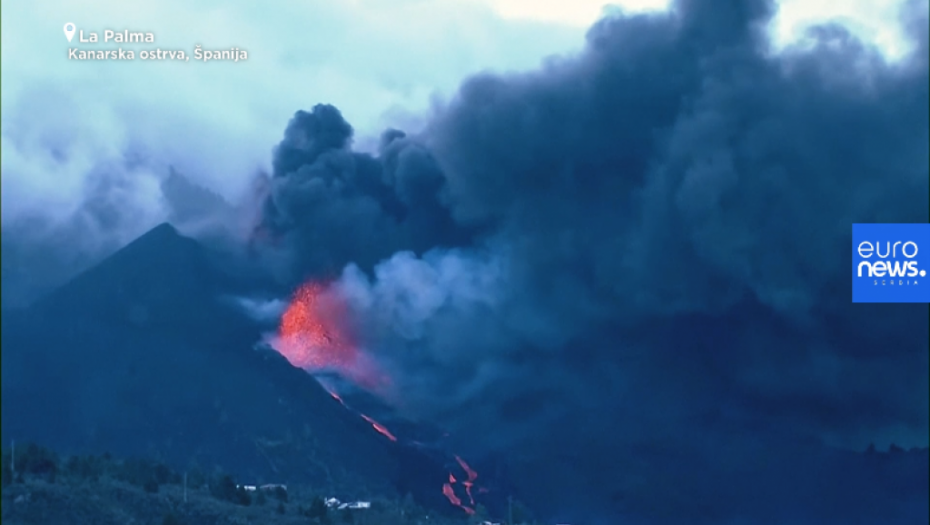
x=313 y=335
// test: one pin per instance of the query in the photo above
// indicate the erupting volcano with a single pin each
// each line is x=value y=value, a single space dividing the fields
x=313 y=335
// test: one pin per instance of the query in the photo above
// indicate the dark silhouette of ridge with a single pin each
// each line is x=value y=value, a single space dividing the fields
x=161 y=278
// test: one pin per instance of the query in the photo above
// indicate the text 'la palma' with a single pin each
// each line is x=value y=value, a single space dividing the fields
x=118 y=37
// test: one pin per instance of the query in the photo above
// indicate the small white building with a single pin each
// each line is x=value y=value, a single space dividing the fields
x=334 y=503
x=355 y=505
x=265 y=487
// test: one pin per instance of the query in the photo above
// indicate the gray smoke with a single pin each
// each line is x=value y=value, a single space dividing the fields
x=328 y=206
x=629 y=269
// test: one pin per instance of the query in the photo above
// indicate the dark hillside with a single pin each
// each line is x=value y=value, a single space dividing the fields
x=139 y=355
x=97 y=490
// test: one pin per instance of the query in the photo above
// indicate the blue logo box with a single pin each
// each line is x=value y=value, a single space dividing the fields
x=890 y=263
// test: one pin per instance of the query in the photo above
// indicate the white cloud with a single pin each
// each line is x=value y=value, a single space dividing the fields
x=377 y=60
x=875 y=21
x=218 y=122
x=573 y=12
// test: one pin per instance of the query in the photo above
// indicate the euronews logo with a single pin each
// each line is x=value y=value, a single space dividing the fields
x=888 y=266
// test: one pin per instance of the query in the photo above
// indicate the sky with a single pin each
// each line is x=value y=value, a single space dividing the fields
x=382 y=62
x=86 y=145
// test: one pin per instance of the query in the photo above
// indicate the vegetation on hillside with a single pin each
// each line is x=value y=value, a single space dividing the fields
x=39 y=487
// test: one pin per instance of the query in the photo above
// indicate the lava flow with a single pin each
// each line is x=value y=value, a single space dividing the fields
x=374 y=424
x=448 y=488
x=470 y=482
x=313 y=335
x=379 y=427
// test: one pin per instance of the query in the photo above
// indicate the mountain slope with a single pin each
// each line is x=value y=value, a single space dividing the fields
x=141 y=355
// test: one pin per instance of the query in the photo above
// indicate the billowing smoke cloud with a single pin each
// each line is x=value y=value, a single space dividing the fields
x=86 y=147
x=261 y=310
x=630 y=269
x=329 y=206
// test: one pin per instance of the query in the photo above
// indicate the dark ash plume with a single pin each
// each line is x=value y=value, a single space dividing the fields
x=330 y=206
x=629 y=270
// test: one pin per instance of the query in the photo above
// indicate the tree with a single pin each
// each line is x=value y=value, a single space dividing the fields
x=280 y=494
x=164 y=475
x=243 y=497
x=89 y=468
x=225 y=488
x=520 y=513
x=408 y=506
x=150 y=486
x=318 y=509
x=196 y=478
x=480 y=515
x=37 y=461
x=7 y=468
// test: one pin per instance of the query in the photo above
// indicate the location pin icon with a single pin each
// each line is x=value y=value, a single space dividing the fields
x=69 y=31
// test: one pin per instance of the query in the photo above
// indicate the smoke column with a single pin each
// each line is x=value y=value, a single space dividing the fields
x=629 y=269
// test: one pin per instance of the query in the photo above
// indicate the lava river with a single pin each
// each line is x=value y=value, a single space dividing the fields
x=313 y=335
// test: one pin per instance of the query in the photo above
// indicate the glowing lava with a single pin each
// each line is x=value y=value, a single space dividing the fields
x=374 y=424
x=449 y=493
x=310 y=333
x=313 y=335
x=379 y=427
x=472 y=476
x=448 y=489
